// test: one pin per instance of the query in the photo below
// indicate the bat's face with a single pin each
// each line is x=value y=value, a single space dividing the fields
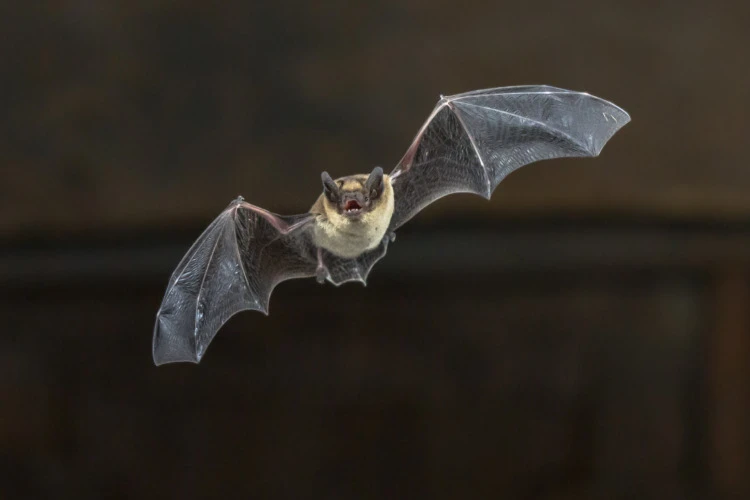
x=354 y=196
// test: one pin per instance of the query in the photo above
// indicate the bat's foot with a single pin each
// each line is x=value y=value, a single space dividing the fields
x=391 y=236
x=321 y=273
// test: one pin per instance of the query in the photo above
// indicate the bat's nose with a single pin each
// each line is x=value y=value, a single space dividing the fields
x=352 y=202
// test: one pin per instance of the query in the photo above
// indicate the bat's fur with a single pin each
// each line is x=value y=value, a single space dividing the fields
x=347 y=237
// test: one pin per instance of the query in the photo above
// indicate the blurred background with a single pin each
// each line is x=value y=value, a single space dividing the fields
x=584 y=335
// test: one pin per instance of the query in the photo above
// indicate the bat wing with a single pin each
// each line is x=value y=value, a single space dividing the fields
x=234 y=266
x=472 y=141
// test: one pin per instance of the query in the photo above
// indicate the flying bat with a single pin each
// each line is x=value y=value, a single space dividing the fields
x=469 y=143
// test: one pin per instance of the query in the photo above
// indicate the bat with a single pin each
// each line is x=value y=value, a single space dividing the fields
x=469 y=143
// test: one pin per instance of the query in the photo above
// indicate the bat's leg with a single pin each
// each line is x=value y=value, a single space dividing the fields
x=321 y=273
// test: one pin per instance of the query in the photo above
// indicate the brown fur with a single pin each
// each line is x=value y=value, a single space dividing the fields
x=347 y=237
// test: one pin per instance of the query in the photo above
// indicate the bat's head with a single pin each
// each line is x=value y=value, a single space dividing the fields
x=355 y=195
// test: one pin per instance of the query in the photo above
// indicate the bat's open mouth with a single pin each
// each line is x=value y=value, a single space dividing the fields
x=352 y=207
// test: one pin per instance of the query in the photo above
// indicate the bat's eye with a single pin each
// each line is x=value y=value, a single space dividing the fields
x=367 y=199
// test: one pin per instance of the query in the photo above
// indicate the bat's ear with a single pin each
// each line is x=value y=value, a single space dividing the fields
x=375 y=182
x=330 y=188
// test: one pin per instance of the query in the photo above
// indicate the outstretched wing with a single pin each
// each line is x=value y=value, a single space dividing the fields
x=234 y=266
x=472 y=141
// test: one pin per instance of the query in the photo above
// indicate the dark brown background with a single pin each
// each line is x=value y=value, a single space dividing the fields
x=585 y=334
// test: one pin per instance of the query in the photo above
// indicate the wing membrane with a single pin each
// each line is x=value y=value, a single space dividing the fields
x=472 y=141
x=233 y=266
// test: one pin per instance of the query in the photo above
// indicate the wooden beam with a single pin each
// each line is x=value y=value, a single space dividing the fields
x=729 y=376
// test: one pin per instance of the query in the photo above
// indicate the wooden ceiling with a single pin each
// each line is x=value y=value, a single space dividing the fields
x=151 y=114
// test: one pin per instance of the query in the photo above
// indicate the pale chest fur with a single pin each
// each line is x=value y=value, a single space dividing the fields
x=350 y=238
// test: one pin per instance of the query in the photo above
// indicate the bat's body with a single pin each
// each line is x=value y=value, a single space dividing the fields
x=469 y=143
x=355 y=231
